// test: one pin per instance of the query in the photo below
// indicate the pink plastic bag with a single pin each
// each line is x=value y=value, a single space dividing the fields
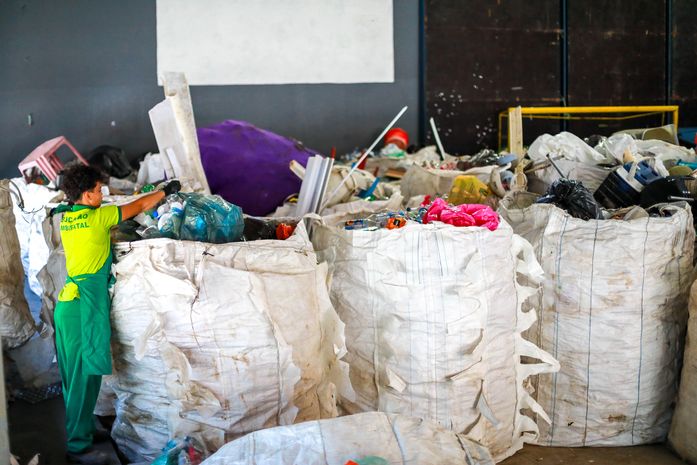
x=462 y=215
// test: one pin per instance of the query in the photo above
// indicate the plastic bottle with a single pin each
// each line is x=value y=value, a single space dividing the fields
x=369 y=460
x=389 y=220
x=170 y=222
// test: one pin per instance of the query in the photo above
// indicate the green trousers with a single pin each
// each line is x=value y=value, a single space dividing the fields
x=83 y=331
x=80 y=390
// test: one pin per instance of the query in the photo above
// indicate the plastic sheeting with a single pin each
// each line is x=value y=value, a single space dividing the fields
x=395 y=438
x=248 y=166
x=613 y=312
x=683 y=431
x=427 y=181
x=576 y=159
x=16 y=322
x=215 y=341
x=434 y=319
x=565 y=145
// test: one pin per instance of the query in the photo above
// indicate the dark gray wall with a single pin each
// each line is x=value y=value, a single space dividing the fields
x=86 y=69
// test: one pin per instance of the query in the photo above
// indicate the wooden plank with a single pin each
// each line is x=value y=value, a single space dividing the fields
x=515 y=131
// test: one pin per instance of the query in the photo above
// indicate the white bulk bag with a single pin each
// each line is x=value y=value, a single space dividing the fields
x=16 y=323
x=428 y=181
x=215 y=341
x=683 y=431
x=613 y=311
x=395 y=438
x=433 y=325
x=29 y=220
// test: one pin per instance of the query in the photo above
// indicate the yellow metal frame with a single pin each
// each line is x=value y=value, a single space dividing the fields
x=566 y=112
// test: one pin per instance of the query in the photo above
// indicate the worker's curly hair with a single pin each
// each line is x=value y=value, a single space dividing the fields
x=79 y=178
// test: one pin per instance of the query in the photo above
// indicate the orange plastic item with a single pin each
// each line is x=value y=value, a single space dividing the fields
x=350 y=462
x=395 y=223
x=284 y=231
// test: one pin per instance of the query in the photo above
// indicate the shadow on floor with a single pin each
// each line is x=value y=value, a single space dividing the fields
x=39 y=428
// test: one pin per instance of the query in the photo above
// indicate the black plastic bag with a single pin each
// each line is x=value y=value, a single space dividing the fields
x=111 y=160
x=573 y=197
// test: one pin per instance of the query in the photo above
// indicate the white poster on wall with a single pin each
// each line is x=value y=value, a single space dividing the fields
x=224 y=42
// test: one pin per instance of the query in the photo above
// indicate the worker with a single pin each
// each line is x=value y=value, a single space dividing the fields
x=81 y=318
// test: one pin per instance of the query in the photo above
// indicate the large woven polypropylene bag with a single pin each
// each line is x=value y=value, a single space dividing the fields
x=16 y=323
x=214 y=341
x=434 y=318
x=614 y=306
x=396 y=438
x=683 y=431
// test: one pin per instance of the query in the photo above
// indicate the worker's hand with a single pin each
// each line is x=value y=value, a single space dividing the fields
x=172 y=187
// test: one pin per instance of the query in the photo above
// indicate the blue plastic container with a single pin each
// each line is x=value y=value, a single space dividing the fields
x=620 y=189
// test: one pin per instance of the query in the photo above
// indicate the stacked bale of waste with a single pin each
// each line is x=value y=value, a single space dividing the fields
x=683 y=431
x=16 y=322
x=214 y=341
x=434 y=316
x=392 y=438
x=614 y=302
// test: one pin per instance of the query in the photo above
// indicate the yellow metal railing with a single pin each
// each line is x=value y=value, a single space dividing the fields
x=565 y=113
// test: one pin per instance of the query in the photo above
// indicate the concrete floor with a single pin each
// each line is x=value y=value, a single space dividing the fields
x=638 y=455
x=38 y=428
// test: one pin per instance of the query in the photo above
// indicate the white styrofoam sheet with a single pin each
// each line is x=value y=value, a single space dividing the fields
x=224 y=42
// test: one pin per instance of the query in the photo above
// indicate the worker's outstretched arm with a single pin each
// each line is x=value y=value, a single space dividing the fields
x=147 y=202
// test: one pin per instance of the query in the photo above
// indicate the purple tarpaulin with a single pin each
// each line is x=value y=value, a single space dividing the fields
x=249 y=166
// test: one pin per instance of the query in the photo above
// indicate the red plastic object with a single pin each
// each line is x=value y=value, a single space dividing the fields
x=398 y=137
x=350 y=462
x=45 y=159
x=284 y=231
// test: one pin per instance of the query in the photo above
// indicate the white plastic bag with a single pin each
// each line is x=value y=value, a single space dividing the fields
x=433 y=325
x=683 y=431
x=28 y=223
x=152 y=169
x=576 y=159
x=396 y=438
x=215 y=341
x=613 y=311
x=427 y=181
x=565 y=145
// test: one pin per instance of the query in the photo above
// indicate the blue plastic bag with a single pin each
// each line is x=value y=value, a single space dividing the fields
x=209 y=218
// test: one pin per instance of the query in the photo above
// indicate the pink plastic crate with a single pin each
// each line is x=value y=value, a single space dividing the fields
x=45 y=159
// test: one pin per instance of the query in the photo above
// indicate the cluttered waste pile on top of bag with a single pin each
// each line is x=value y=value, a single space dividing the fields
x=613 y=312
x=368 y=438
x=214 y=341
x=434 y=317
x=619 y=172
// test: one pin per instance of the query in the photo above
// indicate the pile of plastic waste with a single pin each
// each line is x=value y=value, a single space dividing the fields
x=193 y=217
x=429 y=211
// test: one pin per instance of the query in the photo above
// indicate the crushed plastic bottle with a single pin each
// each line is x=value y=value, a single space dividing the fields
x=185 y=451
x=369 y=460
x=388 y=220
x=170 y=219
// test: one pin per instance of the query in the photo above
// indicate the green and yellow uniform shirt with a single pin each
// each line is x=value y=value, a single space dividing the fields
x=86 y=239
